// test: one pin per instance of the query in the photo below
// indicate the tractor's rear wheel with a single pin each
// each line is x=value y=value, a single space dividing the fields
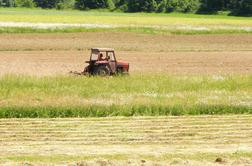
x=102 y=71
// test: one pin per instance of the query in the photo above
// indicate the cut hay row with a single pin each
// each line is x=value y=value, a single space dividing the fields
x=130 y=129
x=133 y=137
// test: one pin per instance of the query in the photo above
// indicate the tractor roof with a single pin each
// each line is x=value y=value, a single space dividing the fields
x=102 y=49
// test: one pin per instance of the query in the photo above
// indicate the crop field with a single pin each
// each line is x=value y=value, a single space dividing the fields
x=186 y=101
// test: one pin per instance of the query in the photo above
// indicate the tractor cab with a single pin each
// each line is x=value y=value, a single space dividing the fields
x=103 y=62
x=102 y=55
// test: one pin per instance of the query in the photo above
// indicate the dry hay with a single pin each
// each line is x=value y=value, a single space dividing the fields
x=131 y=140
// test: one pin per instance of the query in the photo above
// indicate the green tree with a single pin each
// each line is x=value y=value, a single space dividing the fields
x=65 y=4
x=161 y=6
x=190 y=5
x=46 y=3
x=142 y=6
x=24 y=3
x=182 y=6
x=93 y=4
x=110 y=4
x=215 y=5
x=246 y=7
x=7 y=3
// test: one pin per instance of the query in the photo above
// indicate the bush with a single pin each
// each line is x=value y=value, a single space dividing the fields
x=65 y=4
x=24 y=3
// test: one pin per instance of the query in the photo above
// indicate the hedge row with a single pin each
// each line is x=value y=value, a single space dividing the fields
x=238 y=7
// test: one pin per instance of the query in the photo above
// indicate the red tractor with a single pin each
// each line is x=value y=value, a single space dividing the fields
x=103 y=62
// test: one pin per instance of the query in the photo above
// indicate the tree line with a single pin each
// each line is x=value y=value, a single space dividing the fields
x=235 y=7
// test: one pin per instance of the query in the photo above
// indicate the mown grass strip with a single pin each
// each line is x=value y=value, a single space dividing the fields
x=167 y=156
x=142 y=30
x=114 y=110
x=105 y=17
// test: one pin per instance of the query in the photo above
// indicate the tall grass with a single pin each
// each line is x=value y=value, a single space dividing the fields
x=63 y=96
x=127 y=110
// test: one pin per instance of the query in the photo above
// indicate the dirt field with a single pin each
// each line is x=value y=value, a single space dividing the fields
x=49 y=54
x=161 y=140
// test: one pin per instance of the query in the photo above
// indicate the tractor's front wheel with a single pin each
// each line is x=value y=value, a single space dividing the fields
x=102 y=71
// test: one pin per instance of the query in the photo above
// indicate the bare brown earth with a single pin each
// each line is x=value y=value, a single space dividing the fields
x=49 y=54
x=191 y=140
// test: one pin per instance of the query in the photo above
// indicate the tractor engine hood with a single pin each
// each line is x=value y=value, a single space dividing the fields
x=121 y=63
x=124 y=65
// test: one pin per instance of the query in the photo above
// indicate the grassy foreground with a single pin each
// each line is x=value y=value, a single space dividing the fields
x=149 y=95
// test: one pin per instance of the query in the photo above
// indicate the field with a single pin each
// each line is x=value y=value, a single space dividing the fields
x=50 y=54
x=74 y=21
x=187 y=100
x=190 y=140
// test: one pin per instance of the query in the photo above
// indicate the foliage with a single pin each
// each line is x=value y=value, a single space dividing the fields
x=7 y=3
x=139 y=5
x=235 y=7
x=110 y=4
x=46 y=3
x=24 y=3
x=182 y=6
x=94 y=4
x=65 y=4
x=246 y=7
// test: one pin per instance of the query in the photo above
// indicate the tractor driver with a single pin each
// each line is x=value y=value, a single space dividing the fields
x=100 y=57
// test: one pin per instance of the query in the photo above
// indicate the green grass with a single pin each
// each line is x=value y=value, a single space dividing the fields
x=129 y=29
x=132 y=22
x=129 y=110
x=210 y=157
x=137 y=95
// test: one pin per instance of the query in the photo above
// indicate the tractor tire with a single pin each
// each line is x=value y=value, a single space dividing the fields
x=102 y=71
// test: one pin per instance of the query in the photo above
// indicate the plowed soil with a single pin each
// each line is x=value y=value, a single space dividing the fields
x=50 y=54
